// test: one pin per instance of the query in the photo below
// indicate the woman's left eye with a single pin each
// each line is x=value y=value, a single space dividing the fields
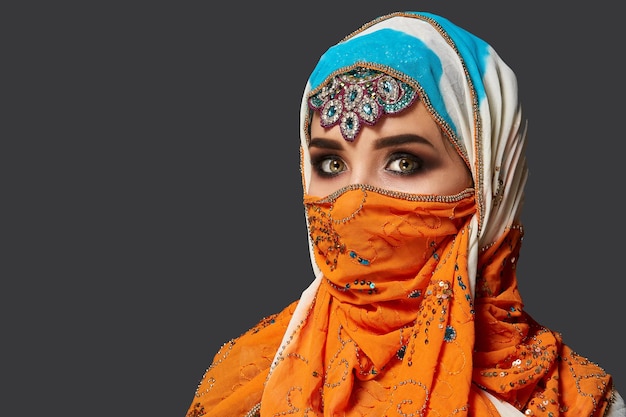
x=404 y=164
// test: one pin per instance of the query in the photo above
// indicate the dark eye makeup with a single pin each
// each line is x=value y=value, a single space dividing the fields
x=397 y=163
x=328 y=165
x=403 y=163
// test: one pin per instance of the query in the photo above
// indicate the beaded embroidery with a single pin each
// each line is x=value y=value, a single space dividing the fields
x=361 y=95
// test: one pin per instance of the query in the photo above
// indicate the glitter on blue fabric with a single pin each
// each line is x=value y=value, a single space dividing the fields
x=474 y=51
x=389 y=48
x=409 y=55
x=386 y=47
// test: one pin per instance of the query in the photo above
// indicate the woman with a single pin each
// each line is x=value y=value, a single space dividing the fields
x=413 y=168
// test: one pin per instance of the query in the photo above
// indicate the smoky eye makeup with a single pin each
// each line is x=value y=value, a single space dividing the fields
x=328 y=165
x=404 y=163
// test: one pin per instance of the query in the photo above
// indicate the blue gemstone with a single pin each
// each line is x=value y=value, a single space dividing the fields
x=450 y=334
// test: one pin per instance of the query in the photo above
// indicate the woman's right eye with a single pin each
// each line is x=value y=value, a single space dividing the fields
x=330 y=166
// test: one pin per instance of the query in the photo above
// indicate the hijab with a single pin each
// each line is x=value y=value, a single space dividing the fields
x=478 y=339
x=414 y=309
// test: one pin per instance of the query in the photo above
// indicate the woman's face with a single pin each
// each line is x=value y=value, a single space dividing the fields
x=405 y=152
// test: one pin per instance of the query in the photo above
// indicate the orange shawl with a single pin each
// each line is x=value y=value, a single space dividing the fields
x=394 y=330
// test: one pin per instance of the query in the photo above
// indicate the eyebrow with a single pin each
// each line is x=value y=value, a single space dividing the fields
x=400 y=140
x=323 y=143
x=380 y=143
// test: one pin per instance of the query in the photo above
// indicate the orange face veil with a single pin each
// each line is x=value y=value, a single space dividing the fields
x=414 y=309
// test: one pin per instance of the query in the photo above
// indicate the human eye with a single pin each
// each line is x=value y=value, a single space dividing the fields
x=404 y=164
x=328 y=166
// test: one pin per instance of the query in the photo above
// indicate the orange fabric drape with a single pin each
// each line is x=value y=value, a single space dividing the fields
x=393 y=329
x=520 y=361
x=233 y=383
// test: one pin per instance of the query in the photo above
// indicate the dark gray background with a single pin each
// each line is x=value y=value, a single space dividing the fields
x=152 y=192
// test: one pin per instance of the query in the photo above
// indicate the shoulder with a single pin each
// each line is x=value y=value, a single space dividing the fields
x=233 y=383
x=274 y=323
x=264 y=337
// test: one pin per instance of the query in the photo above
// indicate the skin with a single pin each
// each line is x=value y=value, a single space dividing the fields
x=405 y=152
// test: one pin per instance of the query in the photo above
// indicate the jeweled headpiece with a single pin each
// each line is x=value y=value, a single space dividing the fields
x=361 y=95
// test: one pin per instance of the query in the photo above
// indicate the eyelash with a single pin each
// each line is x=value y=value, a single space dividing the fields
x=403 y=155
x=320 y=161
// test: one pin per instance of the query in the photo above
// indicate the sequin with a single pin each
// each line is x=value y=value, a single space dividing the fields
x=360 y=260
x=450 y=334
